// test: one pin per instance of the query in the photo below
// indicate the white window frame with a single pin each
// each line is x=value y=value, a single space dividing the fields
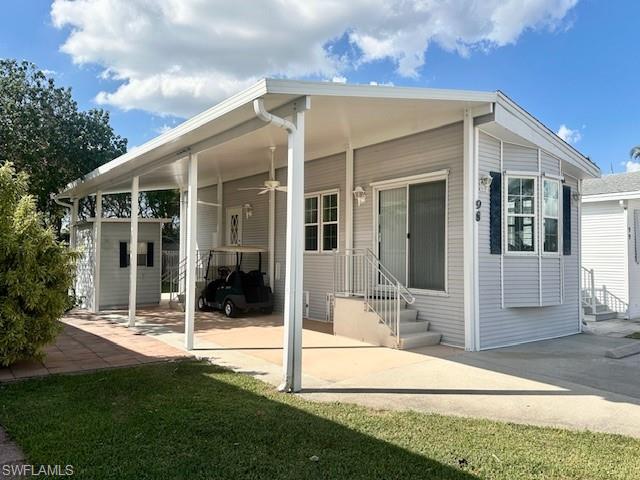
x=543 y=216
x=535 y=215
x=406 y=182
x=320 y=220
x=312 y=224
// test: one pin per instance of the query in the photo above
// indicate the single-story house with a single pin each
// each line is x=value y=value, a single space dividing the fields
x=404 y=215
x=611 y=246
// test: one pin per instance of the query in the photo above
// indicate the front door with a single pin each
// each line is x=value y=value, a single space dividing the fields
x=412 y=233
x=234 y=226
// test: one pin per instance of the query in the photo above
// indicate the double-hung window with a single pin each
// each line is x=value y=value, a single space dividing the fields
x=521 y=214
x=321 y=222
x=550 y=214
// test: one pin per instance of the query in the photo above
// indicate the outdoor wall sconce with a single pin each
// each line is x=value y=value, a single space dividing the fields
x=575 y=196
x=485 y=183
x=248 y=210
x=360 y=195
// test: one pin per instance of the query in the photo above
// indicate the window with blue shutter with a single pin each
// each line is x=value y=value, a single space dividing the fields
x=566 y=220
x=495 y=213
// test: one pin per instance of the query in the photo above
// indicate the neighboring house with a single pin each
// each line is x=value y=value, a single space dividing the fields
x=441 y=212
x=611 y=245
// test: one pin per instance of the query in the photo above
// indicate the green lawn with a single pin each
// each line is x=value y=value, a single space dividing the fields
x=193 y=420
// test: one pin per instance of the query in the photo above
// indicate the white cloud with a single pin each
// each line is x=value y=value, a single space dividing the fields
x=569 y=135
x=339 y=79
x=632 y=166
x=181 y=56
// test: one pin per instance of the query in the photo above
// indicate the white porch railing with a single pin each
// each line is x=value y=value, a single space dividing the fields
x=359 y=273
x=174 y=272
x=593 y=296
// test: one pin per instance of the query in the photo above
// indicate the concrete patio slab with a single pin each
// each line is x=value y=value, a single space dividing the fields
x=565 y=382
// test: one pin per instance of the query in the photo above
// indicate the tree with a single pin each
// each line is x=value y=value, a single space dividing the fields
x=635 y=152
x=36 y=272
x=43 y=133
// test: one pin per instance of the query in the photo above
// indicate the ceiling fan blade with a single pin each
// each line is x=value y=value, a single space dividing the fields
x=281 y=189
x=251 y=188
x=263 y=191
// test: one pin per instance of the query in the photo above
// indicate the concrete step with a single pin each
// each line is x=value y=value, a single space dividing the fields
x=407 y=315
x=407 y=328
x=599 y=308
x=415 y=340
x=606 y=315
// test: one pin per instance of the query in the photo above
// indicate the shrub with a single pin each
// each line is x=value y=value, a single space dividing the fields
x=36 y=272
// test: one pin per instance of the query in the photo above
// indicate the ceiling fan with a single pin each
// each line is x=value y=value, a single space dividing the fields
x=271 y=184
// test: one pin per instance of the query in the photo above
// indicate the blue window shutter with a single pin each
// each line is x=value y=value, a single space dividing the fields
x=149 y=254
x=124 y=258
x=566 y=220
x=495 y=213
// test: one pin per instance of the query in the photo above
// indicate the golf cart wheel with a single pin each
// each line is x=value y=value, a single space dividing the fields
x=202 y=305
x=230 y=309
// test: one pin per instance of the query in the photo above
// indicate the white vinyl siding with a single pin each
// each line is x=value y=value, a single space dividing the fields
x=633 y=211
x=604 y=245
x=114 y=280
x=207 y=216
x=326 y=174
x=519 y=276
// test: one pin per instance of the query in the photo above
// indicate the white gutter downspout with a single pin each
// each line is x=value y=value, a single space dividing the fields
x=292 y=346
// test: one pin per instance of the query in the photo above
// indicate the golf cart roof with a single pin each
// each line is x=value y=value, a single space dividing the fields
x=239 y=249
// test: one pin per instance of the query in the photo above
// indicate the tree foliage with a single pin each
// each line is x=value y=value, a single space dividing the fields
x=36 y=272
x=43 y=133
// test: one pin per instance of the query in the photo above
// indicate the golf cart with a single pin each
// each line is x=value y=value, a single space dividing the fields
x=233 y=291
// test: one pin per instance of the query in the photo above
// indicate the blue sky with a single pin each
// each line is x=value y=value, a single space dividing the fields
x=581 y=72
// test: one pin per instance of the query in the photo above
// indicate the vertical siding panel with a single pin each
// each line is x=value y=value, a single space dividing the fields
x=604 y=245
x=114 y=281
x=504 y=326
x=321 y=174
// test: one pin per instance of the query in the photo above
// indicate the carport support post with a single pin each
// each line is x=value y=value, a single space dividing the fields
x=292 y=351
x=97 y=240
x=133 y=252
x=190 y=287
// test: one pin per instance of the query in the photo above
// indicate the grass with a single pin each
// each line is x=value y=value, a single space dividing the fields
x=634 y=335
x=194 y=420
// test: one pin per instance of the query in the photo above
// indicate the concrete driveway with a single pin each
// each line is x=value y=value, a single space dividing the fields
x=566 y=382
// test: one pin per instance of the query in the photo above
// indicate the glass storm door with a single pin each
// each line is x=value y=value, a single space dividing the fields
x=412 y=234
x=392 y=231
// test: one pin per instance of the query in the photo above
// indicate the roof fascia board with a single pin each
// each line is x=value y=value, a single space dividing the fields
x=257 y=90
x=604 y=197
x=294 y=87
x=513 y=117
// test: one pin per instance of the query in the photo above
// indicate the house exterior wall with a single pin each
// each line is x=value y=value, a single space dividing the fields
x=506 y=281
x=84 y=266
x=421 y=153
x=633 y=211
x=327 y=173
x=604 y=245
x=207 y=217
x=114 y=280
x=255 y=230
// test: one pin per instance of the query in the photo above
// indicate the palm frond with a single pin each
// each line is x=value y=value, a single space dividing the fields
x=635 y=152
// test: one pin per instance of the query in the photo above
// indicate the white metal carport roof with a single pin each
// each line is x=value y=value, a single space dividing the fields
x=232 y=142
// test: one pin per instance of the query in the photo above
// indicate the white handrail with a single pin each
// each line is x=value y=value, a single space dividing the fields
x=359 y=273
